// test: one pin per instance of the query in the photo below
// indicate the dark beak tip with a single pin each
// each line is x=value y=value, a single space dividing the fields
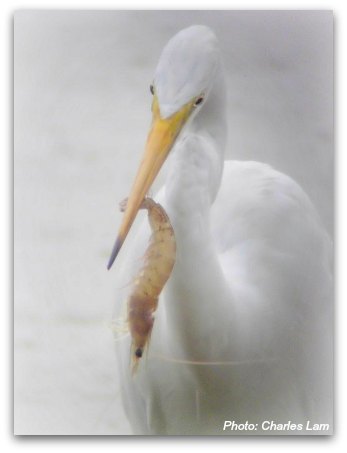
x=117 y=246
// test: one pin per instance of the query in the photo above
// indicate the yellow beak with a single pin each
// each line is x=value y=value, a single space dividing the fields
x=160 y=140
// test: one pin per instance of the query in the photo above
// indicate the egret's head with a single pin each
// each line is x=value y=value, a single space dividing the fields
x=186 y=69
x=182 y=82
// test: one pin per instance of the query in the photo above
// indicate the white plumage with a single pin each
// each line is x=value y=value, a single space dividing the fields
x=244 y=326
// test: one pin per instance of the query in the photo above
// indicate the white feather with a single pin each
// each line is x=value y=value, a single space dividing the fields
x=244 y=326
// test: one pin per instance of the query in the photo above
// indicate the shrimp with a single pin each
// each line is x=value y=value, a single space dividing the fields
x=159 y=261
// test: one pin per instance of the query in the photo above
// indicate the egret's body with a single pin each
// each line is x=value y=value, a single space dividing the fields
x=243 y=331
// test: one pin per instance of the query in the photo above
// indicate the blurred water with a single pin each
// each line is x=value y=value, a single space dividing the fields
x=81 y=115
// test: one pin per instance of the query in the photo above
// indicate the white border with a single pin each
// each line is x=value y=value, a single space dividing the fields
x=7 y=441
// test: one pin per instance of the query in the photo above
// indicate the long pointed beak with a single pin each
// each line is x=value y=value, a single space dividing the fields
x=160 y=140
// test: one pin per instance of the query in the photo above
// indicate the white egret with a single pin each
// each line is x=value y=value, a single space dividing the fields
x=244 y=326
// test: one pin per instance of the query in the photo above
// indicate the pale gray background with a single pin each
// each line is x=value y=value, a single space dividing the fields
x=82 y=110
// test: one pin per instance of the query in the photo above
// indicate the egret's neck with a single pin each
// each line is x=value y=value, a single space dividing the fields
x=192 y=185
x=198 y=157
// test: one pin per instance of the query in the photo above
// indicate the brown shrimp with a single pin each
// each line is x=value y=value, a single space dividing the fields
x=159 y=261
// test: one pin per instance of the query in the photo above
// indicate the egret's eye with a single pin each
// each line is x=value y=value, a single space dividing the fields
x=198 y=101
x=151 y=88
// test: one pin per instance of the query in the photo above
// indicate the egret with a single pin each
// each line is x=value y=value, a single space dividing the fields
x=243 y=332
